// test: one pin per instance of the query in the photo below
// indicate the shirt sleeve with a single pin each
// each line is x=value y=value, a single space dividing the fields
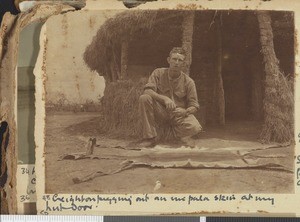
x=192 y=95
x=152 y=81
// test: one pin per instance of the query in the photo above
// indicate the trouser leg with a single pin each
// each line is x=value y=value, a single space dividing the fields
x=186 y=126
x=150 y=112
x=146 y=113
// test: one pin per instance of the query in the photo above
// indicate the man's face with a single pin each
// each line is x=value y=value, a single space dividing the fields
x=176 y=61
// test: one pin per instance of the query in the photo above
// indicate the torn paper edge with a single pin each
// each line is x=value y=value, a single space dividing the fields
x=9 y=36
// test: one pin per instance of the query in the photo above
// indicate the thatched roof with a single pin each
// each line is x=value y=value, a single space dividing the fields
x=104 y=52
x=112 y=33
x=106 y=44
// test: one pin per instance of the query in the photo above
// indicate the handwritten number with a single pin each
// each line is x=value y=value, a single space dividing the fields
x=33 y=171
x=23 y=198
x=25 y=170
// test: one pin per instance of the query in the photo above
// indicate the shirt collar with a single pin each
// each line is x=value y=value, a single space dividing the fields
x=176 y=79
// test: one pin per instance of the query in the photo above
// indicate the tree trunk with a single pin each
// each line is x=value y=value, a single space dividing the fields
x=113 y=66
x=219 y=89
x=256 y=88
x=124 y=59
x=113 y=72
x=278 y=99
x=187 y=38
x=116 y=65
x=266 y=38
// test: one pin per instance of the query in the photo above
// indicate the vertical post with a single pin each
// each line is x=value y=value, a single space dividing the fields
x=278 y=110
x=187 y=37
x=113 y=72
x=219 y=89
x=256 y=88
x=116 y=65
x=124 y=59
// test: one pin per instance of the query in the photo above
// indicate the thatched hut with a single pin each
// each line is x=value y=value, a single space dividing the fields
x=231 y=57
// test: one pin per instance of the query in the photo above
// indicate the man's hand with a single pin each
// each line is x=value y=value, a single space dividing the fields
x=164 y=100
x=170 y=105
x=180 y=112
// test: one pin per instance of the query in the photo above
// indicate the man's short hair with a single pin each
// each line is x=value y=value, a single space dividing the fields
x=178 y=50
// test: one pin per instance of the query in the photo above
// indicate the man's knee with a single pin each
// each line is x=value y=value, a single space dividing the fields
x=195 y=127
x=145 y=99
x=189 y=127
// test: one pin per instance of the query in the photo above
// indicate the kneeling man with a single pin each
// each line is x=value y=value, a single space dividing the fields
x=170 y=97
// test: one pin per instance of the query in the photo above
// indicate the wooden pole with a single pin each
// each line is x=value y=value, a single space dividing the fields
x=124 y=59
x=256 y=89
x=220 y=96
x=266 y=39
x=90 y=146
x=115 y=65
x=187 y=38
x=278 y=95
x=112 y=71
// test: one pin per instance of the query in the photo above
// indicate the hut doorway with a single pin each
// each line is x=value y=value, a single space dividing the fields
x=237 y=90
x=242 y=67
x=227 y=58
x=224 y=49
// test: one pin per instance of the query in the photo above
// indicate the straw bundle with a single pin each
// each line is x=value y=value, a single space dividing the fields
x=120 y=108
x=103 y=54
x=279 y=99
x=279 y=110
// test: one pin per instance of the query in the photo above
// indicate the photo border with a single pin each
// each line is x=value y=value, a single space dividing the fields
x=284 y=204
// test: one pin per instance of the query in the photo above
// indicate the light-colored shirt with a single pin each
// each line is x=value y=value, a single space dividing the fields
x=181 y=90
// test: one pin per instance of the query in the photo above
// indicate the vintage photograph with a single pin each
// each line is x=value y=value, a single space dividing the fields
x=169 y=101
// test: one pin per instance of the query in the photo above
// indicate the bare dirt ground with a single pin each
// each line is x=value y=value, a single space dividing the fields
x=67 y=132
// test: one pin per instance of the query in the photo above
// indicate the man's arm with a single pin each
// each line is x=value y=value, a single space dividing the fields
x=192 y=99
x=170 y=105
x=159 y=98
x=191 y=110
x=151 y=88
x=181 y=112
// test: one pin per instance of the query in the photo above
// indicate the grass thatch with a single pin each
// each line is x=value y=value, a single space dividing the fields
x=279 y=110
x=120 y=108
x=120 y=113
x=105 y=47
x=104 y=53
x=120 y=100
x=279 y=93
x=119 y=116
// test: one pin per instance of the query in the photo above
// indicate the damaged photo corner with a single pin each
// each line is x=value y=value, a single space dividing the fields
x=19 y=49
x=160 y=109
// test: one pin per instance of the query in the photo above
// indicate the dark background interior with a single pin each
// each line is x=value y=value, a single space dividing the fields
x=241 y=59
